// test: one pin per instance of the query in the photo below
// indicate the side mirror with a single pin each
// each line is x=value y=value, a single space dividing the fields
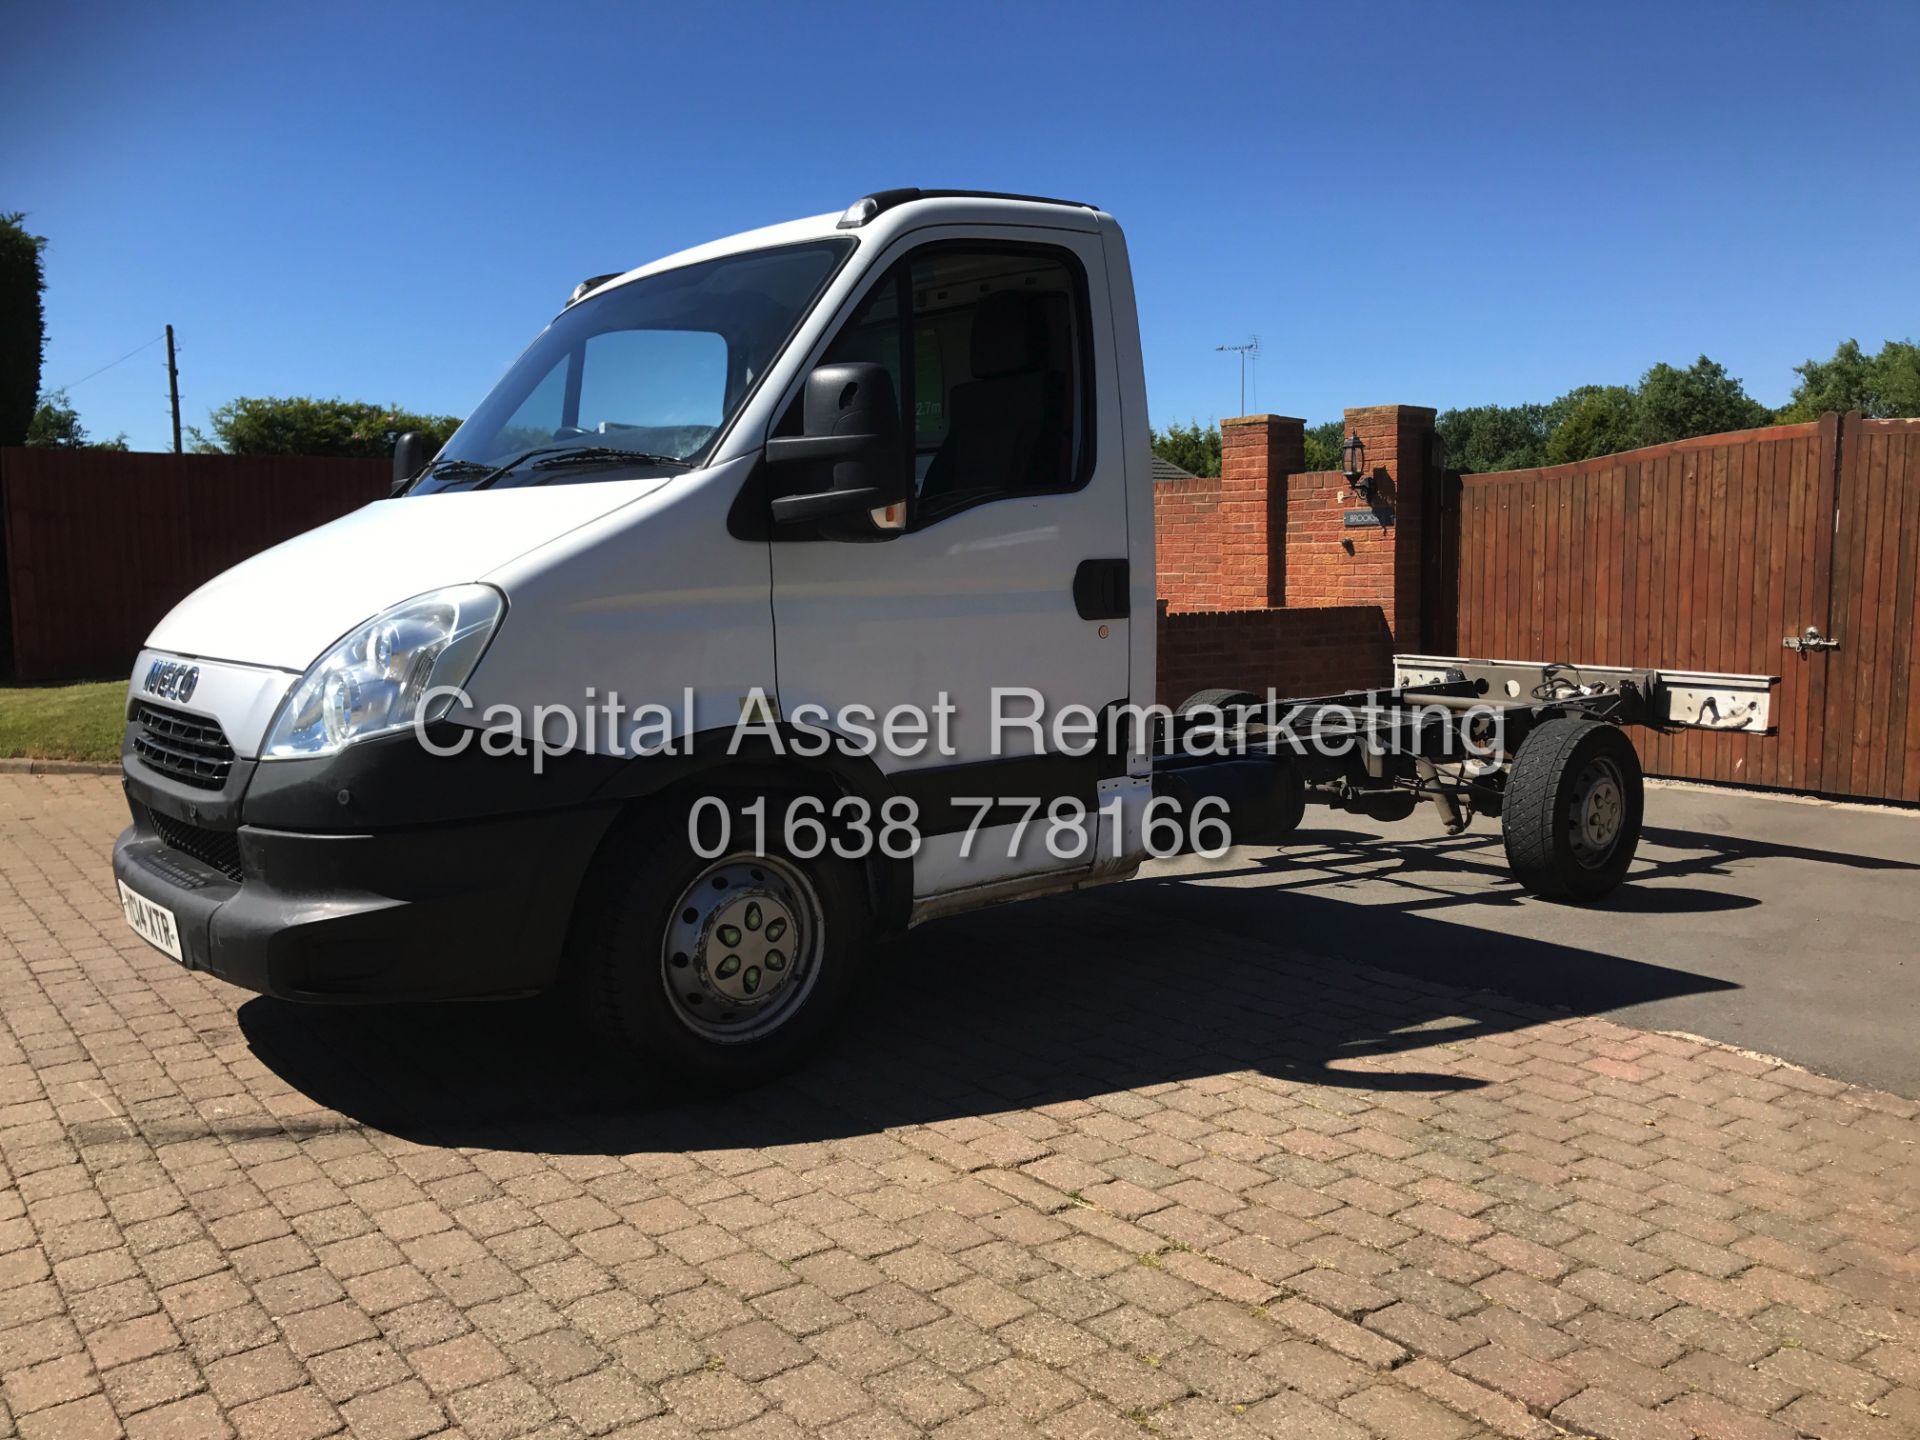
x=851 y=421
x=410 y=455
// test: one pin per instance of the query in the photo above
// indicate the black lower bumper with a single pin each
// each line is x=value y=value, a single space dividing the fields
x=452 y=912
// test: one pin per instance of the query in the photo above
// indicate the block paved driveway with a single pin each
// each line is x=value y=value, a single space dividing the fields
x=1074 y=1170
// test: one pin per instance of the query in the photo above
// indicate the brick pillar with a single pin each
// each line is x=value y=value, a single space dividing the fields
x=1257 y=453
x=1385 y=565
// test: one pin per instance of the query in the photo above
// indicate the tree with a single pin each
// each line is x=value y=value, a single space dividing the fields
x=1194 y=450
x=300 y=425
x=23 y=326
x=1323 y=445
x=56 y=425
x=1483 y=438
x=1588 y=421
x=1700 y=400
x=1881 y=387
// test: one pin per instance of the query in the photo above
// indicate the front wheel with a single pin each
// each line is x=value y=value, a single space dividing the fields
x=1572 y=810
x=724 y=969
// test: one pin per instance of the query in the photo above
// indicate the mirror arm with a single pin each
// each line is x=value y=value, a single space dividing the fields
x=785 y=448
x=796 y=509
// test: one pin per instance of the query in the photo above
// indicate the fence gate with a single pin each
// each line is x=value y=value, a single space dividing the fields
x=1709 y=554
x=1871 y=744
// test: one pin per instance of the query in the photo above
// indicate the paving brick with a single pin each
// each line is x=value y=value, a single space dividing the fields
x=712 y=1399
x=51 y=1382
x=1608 y=1416
x=197 y=1417
x=1808 y=1371
x=1497 y=1412
x=301 y=1414
x=1537 y=1384
x=91 y=1418
x=1290 y=1416
x=355 y=1369
x=143 y=1384
x=605 y=1400
x=816 y=1395
x=1423 y=1332
x=1616 y=1294
x=1336 y=1334
x=400 y=1412
x=1712 y=1418
x=1396 y=1414
x=254 y=1374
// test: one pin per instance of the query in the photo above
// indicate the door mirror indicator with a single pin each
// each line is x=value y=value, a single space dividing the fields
x=850 y=417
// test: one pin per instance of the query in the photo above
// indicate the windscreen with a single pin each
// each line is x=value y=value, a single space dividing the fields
x=656 y=366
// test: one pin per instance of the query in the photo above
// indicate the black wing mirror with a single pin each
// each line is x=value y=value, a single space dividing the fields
x=410 y=455
x=851 y=419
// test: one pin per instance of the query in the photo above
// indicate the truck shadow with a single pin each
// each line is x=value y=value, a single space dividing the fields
x=1160 y=981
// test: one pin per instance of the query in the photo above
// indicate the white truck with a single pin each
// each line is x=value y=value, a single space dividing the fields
x=785 y=593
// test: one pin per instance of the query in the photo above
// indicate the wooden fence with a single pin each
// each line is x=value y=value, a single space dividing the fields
x=101 y=544
x=1706 y=554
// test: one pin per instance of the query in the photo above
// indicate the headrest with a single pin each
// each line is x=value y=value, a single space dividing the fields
x=1009 y=334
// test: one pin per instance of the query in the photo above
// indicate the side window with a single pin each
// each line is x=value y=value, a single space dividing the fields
x=989 y=368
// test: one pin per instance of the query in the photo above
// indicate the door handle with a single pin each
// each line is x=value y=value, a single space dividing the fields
x=1100 y=589
x=1812 y=640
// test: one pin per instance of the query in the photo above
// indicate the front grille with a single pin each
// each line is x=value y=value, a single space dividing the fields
x=190 y=748
x=218 y=848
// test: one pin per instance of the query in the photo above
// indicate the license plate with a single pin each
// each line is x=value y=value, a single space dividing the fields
x=152 y=923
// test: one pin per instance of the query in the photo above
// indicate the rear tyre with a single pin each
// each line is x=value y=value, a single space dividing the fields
x=1572 y=811
x=1290 y=786
x=723 y=970
x=1215 y=699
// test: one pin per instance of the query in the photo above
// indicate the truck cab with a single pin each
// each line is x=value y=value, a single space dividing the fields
x=777 y=598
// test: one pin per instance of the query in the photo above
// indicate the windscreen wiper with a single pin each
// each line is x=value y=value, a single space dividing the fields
x=601 y=454
x=446 y=470
x=584 y=452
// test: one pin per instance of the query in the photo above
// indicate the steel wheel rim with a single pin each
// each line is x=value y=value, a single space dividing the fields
x=1598 y=813
x=742 y=948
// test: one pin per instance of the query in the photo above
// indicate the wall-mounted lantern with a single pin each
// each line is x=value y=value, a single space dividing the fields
x=1354 y=467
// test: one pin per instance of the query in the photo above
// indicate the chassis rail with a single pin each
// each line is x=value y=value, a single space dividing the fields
x=1449 y=731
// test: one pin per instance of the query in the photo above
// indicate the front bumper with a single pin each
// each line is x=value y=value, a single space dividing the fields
x=456 y=911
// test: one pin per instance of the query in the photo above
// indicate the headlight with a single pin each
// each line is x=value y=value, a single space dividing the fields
x=373 y=681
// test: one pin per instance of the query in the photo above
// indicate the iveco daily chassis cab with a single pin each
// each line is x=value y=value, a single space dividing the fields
x=881 y=471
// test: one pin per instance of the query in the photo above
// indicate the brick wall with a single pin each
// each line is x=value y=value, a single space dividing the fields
x=1319 y=651
x=1263 y=582
x=1186 y=521
x=1219 y=541
x=1327 y=563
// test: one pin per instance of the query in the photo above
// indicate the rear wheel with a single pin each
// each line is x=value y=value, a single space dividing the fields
x=1289 y=807
x=1572 y=811
x=724 y=969
x=1218 y=699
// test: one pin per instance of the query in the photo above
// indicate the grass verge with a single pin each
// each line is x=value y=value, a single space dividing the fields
x=63 y=722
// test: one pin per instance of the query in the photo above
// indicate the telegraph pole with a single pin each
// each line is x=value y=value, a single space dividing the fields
x=173 y=389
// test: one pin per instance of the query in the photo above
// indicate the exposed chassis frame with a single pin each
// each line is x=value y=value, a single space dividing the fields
x=1449 y=728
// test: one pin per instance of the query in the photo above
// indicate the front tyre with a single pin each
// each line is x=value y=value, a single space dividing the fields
x=720 y=970
x=1572 y=811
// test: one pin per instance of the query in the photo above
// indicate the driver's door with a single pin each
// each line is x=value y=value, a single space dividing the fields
x=993 y=338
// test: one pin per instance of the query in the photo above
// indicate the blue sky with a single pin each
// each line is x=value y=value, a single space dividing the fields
x=1435 y=204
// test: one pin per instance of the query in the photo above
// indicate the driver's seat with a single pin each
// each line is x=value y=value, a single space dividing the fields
x=1006 y=428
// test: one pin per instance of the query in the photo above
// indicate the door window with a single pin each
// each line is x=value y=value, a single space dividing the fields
x=991 y=370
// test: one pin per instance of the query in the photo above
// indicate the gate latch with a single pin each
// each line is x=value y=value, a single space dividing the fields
x=1812 y=640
